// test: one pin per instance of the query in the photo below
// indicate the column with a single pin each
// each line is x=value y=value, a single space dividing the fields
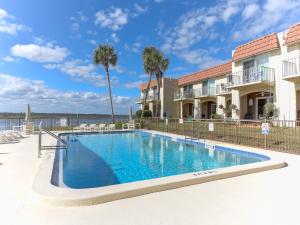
x=197 y=109
x=181 y=109
x=221 y=100
x=236 y=101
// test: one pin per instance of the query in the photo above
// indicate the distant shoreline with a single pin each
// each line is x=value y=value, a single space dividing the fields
x=5 y=115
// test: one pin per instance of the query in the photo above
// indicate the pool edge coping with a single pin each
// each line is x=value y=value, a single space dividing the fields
x=45 y=192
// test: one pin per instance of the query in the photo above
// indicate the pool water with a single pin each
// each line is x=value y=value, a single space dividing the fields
x=95 y=160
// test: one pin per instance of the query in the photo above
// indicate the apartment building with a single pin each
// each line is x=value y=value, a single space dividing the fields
x=264 y=70
x=267 y=70
x=198 y=94
x=164 y=105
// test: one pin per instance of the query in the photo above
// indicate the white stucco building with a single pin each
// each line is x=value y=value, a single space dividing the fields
x=260 y=71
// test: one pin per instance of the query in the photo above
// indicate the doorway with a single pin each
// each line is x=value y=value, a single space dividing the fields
x=260 y=104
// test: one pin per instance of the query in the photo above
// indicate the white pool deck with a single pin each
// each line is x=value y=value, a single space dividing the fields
x=269 y=197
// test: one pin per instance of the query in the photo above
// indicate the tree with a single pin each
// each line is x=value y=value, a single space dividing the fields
x=149 y=68
x=155 y=63
x=105 y=55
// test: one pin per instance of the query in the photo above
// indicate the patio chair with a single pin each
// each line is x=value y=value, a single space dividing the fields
x=8 y=137
x=131 y=125
x=83 y=127
x=91 y=127
x=111 y=127
x=102 y=127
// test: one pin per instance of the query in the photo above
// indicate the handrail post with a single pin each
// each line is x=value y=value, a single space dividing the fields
x=40 y=144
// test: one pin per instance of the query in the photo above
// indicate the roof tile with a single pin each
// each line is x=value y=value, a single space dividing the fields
x=256 y=47
x=215 y=71
x=293 y=35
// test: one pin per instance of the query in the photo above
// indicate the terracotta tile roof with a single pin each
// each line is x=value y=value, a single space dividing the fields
x=256 y=47
x=293 y=35
x=143 y=86
x=215 y=71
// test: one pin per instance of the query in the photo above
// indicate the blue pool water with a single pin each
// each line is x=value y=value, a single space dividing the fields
x=95 y=160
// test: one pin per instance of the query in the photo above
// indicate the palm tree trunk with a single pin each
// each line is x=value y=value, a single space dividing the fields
x=145 y=98
x=158 y=102
x=110 y=98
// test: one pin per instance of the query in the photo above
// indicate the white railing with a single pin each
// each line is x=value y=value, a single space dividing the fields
x=223 y=88
x=252 y=75
x=206 y=91
x=188 y=94
x=290 y=67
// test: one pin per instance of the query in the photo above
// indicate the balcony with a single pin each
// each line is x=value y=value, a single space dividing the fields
x=183 y=95
x=255 y=77
x=223 y=89
x=139 y=100
x=290 y=69
x=206 y=92
x=150 y=98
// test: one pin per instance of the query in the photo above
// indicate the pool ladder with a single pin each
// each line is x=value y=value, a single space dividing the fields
x=61 y=144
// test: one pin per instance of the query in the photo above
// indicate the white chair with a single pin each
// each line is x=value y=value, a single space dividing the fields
x=131 y=125
x=102 y=127
x=91 y=127
x=83 y=127
x=111 y=127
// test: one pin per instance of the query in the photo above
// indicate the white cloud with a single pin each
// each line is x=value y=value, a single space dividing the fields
x=242 y=20
x=230 y=8
x=16 y=92
x=93 y=42
x=114 y=37
x=80 y=72
x=201 y=57
x=113 y=18
x=273 y=15
x=250 y=11
x=9 y=27
x=139 y=9
x=131 y=85
x=37 y=53
x=77 y=20
x=8 y=58
x=3 y=14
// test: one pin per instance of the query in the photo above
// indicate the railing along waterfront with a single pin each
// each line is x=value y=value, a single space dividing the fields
x=290 y=67
x=283 y=136
x=251 y=75
x=57 y=122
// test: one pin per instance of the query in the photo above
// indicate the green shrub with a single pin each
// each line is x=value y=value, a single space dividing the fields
x=138 y=114
x=118 y=125
x=147 y=113
x=269 y=110
x=216 y=116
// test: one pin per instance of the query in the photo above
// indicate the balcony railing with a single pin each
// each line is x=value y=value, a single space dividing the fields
x=251 y=75
x=151 y=97
x=223 y=89
x=290 y=67
x=206 y=91
x=188 y=94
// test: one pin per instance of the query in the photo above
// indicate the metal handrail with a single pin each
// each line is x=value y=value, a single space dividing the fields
x=48 y=147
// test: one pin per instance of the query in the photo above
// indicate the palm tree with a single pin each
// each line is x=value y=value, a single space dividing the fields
x=106 y=56
x=154 y=63
x=162 y=65
x=148 y=56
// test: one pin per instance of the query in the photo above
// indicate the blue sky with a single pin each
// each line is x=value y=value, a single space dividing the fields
x=46 y=47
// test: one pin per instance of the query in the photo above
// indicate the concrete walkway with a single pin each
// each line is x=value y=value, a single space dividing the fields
x=270 y=197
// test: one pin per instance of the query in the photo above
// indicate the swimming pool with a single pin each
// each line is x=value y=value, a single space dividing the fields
x=97 y=160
